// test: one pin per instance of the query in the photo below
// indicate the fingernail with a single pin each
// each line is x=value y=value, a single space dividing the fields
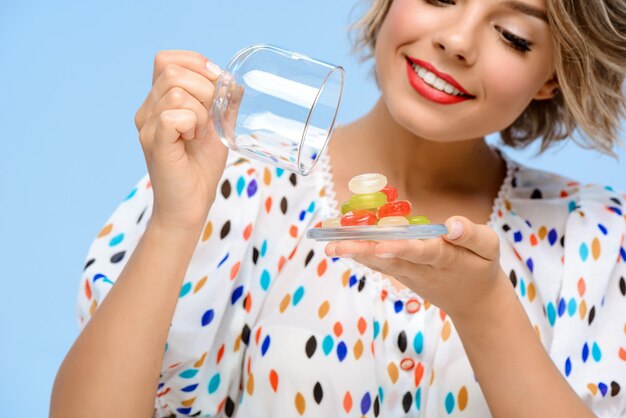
x=386 y=255
x=456 y=231
x=213 y=68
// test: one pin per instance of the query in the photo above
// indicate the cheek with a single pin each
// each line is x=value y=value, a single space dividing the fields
x=405 y=23
x=509 y=88
x=406 y=20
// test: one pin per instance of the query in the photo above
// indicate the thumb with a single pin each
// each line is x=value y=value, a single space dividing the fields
x=479 y=239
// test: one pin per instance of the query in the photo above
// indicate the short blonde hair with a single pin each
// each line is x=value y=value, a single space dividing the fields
x=590 y=43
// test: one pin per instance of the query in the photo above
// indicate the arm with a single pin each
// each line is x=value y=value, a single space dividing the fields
x=505 y=353
x=112 y=370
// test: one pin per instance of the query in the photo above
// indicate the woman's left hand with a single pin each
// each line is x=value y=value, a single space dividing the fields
x=458 y=272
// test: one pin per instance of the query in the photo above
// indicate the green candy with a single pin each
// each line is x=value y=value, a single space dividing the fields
x=418 y=220
x=345 y=208
x=367 y=200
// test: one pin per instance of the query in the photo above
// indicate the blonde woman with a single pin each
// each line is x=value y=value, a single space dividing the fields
x=201 y=296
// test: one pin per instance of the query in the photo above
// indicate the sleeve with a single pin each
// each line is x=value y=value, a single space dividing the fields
x=222 y=292
x=589 y=319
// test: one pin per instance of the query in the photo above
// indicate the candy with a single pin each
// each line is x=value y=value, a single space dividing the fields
x=367 y=183
x=418 y=220
x=331 y=223
x=397 y=208
x=367 y=200
x=374 y=203
x=358 y=217
x=391 y=192
x=393 y=220
x=345 y=208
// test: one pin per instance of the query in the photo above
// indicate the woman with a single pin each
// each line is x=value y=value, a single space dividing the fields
x=221 y=306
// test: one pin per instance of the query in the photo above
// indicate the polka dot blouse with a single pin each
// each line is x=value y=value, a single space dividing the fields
x=267 y=325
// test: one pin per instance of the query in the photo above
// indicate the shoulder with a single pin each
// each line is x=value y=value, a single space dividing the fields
x=537 y=196
x=558 y=226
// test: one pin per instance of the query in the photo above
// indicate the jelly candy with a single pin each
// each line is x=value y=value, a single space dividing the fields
x=393 y=220
x=391 y=192
x=345 y=208
x=374 y=203
x=367 y=183
x=331 y=223
x=358 y=217
x=418 y=220
x=367 y=200
x=397 y=208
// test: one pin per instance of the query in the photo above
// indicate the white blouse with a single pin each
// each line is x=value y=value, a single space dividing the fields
x=267 y=325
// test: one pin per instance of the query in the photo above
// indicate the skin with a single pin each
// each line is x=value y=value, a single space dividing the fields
x=439 y=158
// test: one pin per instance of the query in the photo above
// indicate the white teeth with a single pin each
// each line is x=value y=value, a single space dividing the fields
x=432 y=80
x=439 y=84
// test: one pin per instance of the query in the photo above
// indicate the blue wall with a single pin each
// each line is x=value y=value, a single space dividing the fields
x=73 y=75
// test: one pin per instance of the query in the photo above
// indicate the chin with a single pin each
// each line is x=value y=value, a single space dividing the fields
x=436 y=126
x=424 y=125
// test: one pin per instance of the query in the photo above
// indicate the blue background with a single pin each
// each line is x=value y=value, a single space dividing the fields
x=73 y=75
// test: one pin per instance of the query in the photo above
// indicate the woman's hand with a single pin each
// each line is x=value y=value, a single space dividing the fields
x=457 y=272
x=183 y=153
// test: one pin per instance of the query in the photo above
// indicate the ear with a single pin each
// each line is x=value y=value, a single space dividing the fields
x=548 y=90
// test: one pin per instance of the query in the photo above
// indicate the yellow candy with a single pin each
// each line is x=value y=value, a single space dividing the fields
x=393 y=220
x=367 y=200
x=418 y=220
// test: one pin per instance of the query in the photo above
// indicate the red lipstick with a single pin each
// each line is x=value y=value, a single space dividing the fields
x=432 y=93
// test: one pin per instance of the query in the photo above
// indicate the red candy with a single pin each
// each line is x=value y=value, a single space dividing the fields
x=391 y=192
x=397 y=208
x=358 y=217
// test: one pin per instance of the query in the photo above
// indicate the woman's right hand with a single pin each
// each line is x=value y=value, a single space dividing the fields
x=184 y=156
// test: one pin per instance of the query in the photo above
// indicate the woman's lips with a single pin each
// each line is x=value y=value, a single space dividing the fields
x=430 y=92
x=446 y=77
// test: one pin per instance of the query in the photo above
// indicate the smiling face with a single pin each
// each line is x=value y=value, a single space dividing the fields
x=461 y=69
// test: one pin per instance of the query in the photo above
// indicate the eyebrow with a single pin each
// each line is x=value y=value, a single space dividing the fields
x=526 y=9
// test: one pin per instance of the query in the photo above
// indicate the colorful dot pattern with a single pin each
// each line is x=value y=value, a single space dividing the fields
x=267 y=325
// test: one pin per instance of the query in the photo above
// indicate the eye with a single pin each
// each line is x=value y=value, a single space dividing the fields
x=439 y=3
x=513 y=41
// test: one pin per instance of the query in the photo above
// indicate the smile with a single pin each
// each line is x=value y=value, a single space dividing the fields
x=435 y=86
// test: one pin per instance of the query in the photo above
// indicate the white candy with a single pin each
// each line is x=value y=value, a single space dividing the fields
x=393 y=220
x=367 y=183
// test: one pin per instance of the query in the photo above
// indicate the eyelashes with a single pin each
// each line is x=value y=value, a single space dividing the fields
x=516 y=43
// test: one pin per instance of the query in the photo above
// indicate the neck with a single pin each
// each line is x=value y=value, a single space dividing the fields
x=416 y=165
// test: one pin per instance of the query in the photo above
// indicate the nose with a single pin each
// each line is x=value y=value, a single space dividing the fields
x=457 y=41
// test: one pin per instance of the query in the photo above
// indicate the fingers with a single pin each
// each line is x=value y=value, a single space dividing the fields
x=434 y=252
x=177 y=115
x=172 y=124
x=480 y=239
x=177 y=98
x=348 y=248
x=190 y=60
x=362 y=252
x=196 y=85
